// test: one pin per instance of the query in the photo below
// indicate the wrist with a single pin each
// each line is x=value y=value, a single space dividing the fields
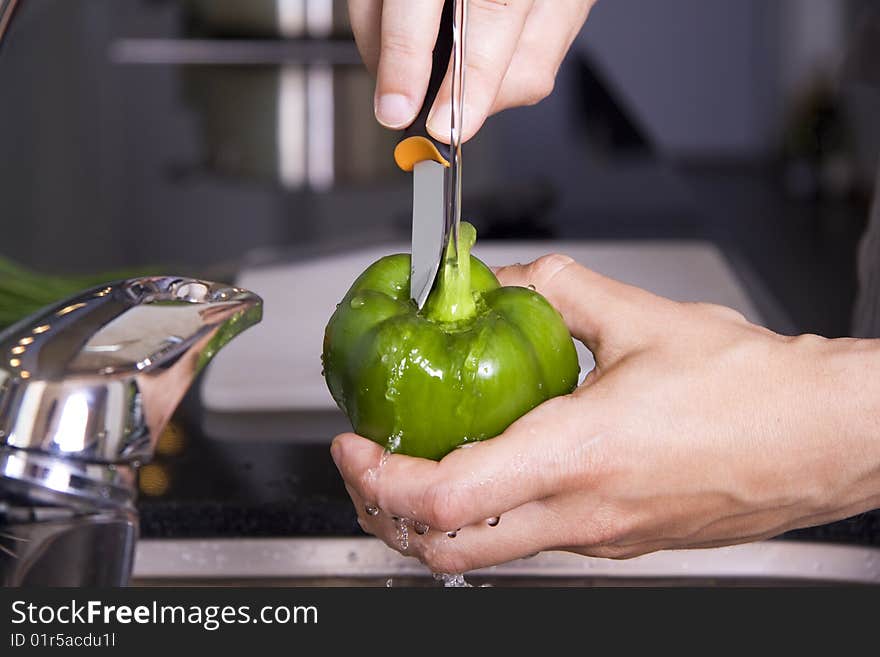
x=846 y=380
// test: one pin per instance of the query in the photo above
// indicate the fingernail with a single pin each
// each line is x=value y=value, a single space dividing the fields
x=336 y=453
x=394 y=110
x=438 y=122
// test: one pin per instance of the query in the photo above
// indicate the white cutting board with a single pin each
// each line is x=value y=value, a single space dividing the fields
x=276 y=365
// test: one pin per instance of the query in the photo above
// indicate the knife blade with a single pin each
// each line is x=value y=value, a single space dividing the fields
x=430 y=228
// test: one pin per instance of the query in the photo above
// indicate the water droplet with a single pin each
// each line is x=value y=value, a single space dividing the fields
x=402 y=534
x=389 y=583
x=532 y=288
x=493 y=522
x=391 y=446
x=372 y=510
x=395 y=518
x=357 y=302
x=453 y=534
x=421 y=528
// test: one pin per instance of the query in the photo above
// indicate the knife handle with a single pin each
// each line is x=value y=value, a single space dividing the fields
x=417 y=145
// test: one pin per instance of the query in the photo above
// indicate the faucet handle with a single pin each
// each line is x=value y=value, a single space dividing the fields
x=97 y=376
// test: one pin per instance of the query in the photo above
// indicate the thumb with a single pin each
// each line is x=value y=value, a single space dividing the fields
x=599 y=311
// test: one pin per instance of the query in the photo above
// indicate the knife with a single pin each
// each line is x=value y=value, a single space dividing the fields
x=429 y=161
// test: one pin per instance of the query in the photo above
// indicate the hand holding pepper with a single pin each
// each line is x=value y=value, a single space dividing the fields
x=696 y=429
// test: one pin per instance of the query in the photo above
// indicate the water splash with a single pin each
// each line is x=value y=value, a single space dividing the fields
x=373 y=473
x=452 y=581
x=392 y=446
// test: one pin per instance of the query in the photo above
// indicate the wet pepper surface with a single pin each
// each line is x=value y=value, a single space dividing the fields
x=463 y=368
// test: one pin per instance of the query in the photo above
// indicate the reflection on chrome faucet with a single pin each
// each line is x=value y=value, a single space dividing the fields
x=86 y=388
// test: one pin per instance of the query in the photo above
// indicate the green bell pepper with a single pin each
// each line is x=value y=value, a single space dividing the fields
x=473 y=360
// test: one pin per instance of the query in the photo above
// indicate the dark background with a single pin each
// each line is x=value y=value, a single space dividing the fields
x=749 y=123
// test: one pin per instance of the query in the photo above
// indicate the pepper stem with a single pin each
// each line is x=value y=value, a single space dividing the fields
x=451 y=300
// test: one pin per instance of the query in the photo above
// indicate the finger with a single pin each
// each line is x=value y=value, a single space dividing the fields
x=408 y=33
x=395 y=532
x=493 y=31
x=597 y=310
x=360 y=508
x=550 y=28
x=365 y=17
x=538 y=455
x=520 y=532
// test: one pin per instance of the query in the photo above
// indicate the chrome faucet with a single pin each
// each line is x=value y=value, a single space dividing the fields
x=86 y=387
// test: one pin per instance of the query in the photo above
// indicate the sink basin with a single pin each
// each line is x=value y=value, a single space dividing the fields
x=368 y=562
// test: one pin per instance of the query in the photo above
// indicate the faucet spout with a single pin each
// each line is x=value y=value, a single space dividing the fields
x=97 y=376
x=86 y=388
